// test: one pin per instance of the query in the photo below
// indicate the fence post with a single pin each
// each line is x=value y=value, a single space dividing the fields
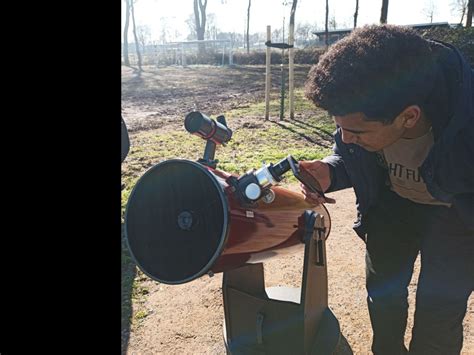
x=223 y=54
x=291 y=60
x=268 y=74
x=183 y=56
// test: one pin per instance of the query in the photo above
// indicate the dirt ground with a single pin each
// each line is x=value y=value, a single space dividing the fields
x=187 y=319
x=160 y=98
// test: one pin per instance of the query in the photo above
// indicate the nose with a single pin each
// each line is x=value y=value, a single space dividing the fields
x=348 y=137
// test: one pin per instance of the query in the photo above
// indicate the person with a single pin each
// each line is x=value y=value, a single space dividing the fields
x=404 y=141
x=124 y=140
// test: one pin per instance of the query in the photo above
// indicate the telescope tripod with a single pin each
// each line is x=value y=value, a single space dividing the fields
x=282 y=320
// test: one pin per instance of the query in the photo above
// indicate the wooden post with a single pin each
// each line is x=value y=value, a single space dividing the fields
x=268 y=74
x=291 y=59
x=223 y=54
x=183 y=56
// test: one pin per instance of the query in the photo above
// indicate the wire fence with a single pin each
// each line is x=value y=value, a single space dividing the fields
x=214 y=52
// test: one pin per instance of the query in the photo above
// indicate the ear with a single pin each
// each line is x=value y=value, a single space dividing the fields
x=410 y=116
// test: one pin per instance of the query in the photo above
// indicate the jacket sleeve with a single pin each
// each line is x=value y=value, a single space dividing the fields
x=125 y=140
x=453 y=171
x=339 y=178
x=449 y=168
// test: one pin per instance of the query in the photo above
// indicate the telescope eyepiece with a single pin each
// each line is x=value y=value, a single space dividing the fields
x=280 y=168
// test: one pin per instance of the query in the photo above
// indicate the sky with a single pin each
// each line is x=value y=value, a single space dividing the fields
x=231 y=15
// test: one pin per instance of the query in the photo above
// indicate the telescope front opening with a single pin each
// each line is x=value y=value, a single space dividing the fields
x=176 y=222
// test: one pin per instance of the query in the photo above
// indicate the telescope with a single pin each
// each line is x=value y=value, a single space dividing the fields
x=186 y=219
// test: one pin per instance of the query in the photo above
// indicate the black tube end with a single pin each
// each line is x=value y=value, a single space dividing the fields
x=193 y=121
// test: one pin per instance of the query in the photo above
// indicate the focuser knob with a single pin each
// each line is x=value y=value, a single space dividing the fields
x=268 y=196
x=253 y=191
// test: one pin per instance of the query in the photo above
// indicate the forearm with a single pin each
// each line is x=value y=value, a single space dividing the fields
x=339 y=178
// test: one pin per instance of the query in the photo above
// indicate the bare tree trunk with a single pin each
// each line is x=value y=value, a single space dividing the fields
x=326 y=35
x=462 y=15
x=383 y=15
x=470 y=9
x=126 y=60
x=356 y=13
x=248 y=26
x=137 y=45
x=200 y=18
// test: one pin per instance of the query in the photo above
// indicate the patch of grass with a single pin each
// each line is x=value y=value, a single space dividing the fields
x=140 y=315
x=303 y=107
x=128 y=279
x=139 y=289
x=249 y=148
x=133 y=292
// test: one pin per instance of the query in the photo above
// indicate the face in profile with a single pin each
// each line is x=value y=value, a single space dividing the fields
x=375 y=135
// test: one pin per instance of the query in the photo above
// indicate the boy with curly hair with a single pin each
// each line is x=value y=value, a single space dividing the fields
x=403 y=107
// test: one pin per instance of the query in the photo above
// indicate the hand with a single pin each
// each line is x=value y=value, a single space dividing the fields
x=320 y=171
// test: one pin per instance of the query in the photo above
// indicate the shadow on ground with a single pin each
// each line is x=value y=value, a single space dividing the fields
x=320 y=139
x=343 y=347
x=128 y=276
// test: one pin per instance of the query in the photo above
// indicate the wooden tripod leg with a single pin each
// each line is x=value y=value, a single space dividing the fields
x=314 y=287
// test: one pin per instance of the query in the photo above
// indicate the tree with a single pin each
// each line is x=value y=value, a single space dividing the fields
x=383 y=15
x=332 y=22
x=144 y=35
x=191 y=22
x=200 y=22
x=248 y=26
x=167 y=32
x=211 y=27
x=460 y=7
x=175 y=35
x=126 y=60
x=135 y=35
x=470 y=10
x=326 y=35
x=356 y=13
x=276 y=35
x=429 y=10
x=302 y=33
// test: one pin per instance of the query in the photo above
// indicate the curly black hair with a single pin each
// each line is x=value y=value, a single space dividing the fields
x=378 y=70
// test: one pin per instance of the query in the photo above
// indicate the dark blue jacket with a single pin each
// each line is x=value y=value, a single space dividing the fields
x=448 y=170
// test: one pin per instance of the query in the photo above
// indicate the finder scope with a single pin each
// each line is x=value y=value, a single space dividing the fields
x=199 y=124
